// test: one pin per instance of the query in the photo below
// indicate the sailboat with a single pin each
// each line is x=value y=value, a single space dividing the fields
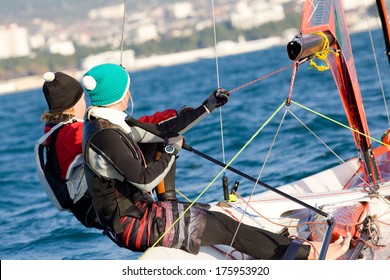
x=353 y=196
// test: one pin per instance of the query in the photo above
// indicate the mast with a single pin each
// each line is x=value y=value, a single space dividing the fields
x=385 y=24
x=323 y=23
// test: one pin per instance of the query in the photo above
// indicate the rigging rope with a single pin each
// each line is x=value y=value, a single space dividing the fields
x=287 y=224
x=235 y=157
x=215 y=44
x=322 y=55
x=377 y=65
x=216 y=177
x=269 y=151
x=338 y=123
x=123 y=31
x=323 y=143
x=293 y=75
x=341 y=124
x=258 y=178
x=121 y=54
x=261 y=78
x=268 y=154
x=218 y=82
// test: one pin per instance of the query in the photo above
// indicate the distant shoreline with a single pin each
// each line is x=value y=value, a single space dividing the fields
x=224 y=48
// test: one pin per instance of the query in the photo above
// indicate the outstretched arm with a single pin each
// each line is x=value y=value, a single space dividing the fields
x=188 y=118
x=152 y=133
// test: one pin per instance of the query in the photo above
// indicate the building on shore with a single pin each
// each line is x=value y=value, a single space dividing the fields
x=14 y=41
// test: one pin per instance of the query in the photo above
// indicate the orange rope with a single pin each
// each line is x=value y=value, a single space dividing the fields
x=349 y=225
x=261 y=78
x=275 y=223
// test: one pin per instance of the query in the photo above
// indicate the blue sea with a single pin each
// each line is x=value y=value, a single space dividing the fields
x=32 y=229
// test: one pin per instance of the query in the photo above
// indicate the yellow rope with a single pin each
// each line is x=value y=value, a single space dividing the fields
x=322 y=55
x=241 y=150
x=339 y=123
x=183 y=195
x=215 y=178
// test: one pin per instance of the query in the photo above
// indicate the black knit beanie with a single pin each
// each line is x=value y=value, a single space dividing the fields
x=61 y=91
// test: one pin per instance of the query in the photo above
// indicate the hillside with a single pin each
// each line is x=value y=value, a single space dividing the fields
x=75 y=13
x=23 y=11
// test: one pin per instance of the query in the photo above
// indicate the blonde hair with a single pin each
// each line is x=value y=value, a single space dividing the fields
x=58 y=117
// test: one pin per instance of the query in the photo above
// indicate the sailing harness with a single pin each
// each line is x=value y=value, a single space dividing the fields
x=113 y=197
x=66 y=195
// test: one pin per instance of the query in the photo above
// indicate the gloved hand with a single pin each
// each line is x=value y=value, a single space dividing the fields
x=217 y=98
x=176 y=142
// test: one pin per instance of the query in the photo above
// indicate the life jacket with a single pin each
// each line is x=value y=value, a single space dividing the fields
x=113 y=197
x=159 y=117
x=66 y=195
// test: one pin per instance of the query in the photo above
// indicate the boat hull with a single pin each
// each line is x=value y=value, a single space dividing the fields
x=330 y=191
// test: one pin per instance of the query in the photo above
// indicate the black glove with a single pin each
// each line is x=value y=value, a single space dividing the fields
x=217 y=98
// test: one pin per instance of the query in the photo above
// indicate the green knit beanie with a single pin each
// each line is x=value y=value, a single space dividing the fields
x=106 y=84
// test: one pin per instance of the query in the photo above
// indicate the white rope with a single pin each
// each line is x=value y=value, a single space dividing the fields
x=215 y=44
x=376 y=64
x=244 y=212
x=121 y=55
x=326 y=146
x=218 y=82
x=123 y=31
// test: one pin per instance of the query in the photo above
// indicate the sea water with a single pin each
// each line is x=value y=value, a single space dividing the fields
x=30 y=226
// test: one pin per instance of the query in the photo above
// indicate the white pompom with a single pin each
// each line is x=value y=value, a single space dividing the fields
x=89 y=82
x=49 y=76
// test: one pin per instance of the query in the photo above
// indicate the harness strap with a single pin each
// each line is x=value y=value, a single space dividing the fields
x=48 y=170
x=294 y=246
x=126 y=196
x=52 y=161
x=110 y=234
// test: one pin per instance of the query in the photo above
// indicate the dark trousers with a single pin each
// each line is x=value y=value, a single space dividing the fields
x=256 y=242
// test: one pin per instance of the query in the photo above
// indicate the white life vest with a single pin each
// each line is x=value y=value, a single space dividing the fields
x=61 y=194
